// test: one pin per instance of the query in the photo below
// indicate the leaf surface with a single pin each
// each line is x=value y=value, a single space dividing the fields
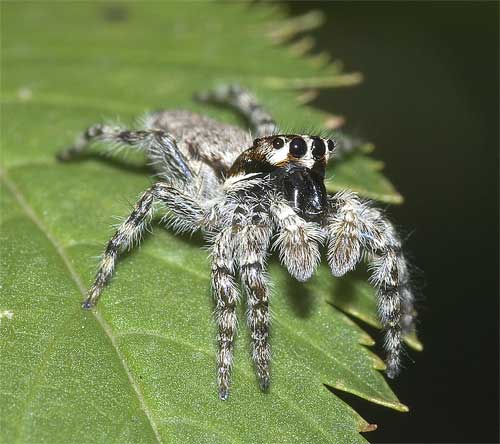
x=142 y=367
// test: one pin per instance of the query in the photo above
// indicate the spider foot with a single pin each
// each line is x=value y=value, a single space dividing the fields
x=264 y=383
x=87 y=305
x=392 y=371
x=65 y=155
x=223 y=394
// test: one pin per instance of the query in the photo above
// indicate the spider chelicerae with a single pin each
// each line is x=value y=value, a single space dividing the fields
x=248 y=195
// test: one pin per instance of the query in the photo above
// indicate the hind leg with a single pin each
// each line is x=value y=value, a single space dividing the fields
x=260 y=120
x=160 y=148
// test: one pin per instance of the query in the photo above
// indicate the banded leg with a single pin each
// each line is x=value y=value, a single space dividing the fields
x=184 y=209
x=226 y=297
x=160 y=148
x=245 y=103
x=298 y=241
x=355 y=228
x=253 y=244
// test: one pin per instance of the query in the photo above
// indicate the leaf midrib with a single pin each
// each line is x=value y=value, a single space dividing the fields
x=242 y=371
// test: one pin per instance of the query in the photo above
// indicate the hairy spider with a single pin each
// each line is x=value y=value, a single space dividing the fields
x=247 y=195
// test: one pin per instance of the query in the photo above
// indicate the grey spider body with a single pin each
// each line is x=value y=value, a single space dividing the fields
x=209 y=147
x=248 y=195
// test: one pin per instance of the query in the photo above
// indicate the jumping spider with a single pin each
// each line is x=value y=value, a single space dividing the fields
x=247 y=195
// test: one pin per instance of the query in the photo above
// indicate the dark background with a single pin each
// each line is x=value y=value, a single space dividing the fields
x=430 y=104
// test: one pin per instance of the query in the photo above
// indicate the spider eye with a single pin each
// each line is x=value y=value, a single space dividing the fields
x=278 y=143
x=298 y=147
x=318 y=148
x=331 y=145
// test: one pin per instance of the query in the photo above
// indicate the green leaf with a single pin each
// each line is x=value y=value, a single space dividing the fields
x=141 y=368
x=362 y=174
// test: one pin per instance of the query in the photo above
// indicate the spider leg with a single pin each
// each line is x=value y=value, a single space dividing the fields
x=409 y=312
x=160 y=148
x=226 y=297
x=354 y=228
x=253 y=246
x=298 y=241
x=261 y=122
x=186 y=214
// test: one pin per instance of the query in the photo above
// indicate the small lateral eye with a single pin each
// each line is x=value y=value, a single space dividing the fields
x=298 y=147
x=318 y=148
x=278 y=143
x=331 y=145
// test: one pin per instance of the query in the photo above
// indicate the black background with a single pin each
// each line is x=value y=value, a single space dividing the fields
x=430 y=104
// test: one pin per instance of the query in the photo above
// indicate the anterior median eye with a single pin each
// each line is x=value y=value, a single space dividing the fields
x=278 y=143
x=318 y=148
x=298 y=147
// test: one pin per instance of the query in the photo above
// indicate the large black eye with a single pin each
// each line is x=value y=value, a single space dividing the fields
x=298 y=147
x=331 y=145
x=278 y=143
x=318 y=148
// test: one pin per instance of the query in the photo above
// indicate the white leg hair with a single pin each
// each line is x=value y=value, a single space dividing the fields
x=184 y=209
x=409 y=312
x=226 y=296
x=253 y=245
x=298 y=241
x=355 y=228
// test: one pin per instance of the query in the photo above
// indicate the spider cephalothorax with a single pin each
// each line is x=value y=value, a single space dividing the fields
x=297 y=165
x=247 y=196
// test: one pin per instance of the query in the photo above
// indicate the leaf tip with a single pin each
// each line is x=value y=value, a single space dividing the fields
x=378 y=364
x=307 y=96
x=333 y=122
x=367 y=427
x=403 y=407
x=413 y=341
x=286 y=29
x=302 y=46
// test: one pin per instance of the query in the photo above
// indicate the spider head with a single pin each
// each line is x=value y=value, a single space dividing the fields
x=296 y=164
x=300 y=163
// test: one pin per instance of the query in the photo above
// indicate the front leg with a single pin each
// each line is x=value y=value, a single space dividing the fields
x=253 y=245
x=226 y=297
x=184 y=209
x=354 y=228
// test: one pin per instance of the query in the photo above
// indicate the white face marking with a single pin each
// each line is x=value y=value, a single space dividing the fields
x=281 y=154
x=278 y=155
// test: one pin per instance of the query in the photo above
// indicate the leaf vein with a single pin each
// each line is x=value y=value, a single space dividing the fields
x=248 y=375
